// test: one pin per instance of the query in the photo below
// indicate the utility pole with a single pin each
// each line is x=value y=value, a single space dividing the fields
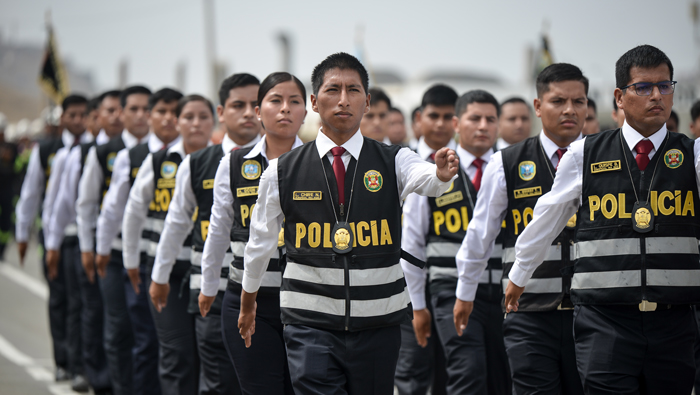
x=286 y=51
x=210 y=46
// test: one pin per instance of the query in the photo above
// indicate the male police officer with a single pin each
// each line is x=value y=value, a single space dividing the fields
x=434 y=228
x=538 y=339
x=637 y=271
x=343 y=294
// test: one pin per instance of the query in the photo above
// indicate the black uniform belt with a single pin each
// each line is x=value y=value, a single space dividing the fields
x=646 y=306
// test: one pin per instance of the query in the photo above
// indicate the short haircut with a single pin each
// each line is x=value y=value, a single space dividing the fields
x=515 y=99
x=559 y=72
x=377 y=95
x=413 y=114
x=614 y=104
x=475 y=96
x=92 y=105
x=166 y=95
x=439 y=95
x=342 y=61
x=235 y=81
x=396 y=110
x=674 y=116
x=72 y=100
x=591 y=103
x=190 y=98
x=115 y=94
x=643 y=56
x=695 y=111
x=133 y=90
x=277 y=78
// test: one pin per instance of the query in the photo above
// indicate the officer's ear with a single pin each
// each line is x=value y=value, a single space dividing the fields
x=314 y=106
x=618 y=93
x=537 y=103
x=367 y=105
x=220 y=113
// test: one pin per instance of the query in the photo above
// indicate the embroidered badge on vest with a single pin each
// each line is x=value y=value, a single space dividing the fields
x=610 y=165
x=251 y=169
x=527 y=170
x=673 y=158
x=168 y=169
x=110 y=160
x=373 y=180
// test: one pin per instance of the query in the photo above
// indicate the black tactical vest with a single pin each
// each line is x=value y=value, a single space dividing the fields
x=47 y=151
x=529 y=174
x=84 y=150
x=136 y=158
x=616 y=264
x=106 y=154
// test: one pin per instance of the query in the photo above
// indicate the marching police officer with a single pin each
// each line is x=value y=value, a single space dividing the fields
x=637 y=270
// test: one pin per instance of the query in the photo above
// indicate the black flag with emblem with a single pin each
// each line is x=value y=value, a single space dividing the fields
x=52 y=75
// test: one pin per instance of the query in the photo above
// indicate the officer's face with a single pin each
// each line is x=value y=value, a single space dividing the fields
x=91 y=123
x=135 y=114
x=238 y=114
x=477 y=128
x=514 y=123
x=109 y=116
x=341 y=102
x=163 y=121
x=73 y=118
x=376 y=122
x=592 y=126
x=282 y=111
x=646 y=114
x=563 y=110
x=195 y=124
x=435 y=123
x=397 y=127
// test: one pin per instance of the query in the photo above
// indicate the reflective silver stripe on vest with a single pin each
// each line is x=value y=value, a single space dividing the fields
x=317 y=303
x=553 y=254
x=437 y=272
x=497 y=251
x=157 y=225
x=615 y=279
x=441 y=250
x=378 y=307
x=631 y=246
x=539 y=285
x=196 y=282
x=71 y=230
x=117 y=245
x=270 y=279
x=184 y=254
x=196 y=258
x=673 y=278
x=325 y=276
x=238 y=248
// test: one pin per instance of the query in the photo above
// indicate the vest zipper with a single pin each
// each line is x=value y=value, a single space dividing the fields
x=643 y=246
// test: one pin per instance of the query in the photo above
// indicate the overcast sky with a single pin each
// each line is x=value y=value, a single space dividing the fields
x=410 y=37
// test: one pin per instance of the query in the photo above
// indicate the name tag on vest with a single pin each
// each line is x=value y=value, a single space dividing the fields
x=246 y=191
x=134 y=172
x=450 y=198
x=600 y=167
x=164 y=183
x=527 y=192
x=208 y=184
x=307 y=195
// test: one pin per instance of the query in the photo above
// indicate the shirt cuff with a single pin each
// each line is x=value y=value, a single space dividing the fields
x=103 y=248
x=52 y=242
x=518 y=275
x=131 y=261
x=161 y=272
x=87 y=244
x=466 y=291
x=22 y=232
x=250 y=284
x=418 y=300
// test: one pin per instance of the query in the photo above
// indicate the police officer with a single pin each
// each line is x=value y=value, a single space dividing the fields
x=193 y=198
x=538 y=338
x=637 y=271
x=434 y=228
x=281 y=110
x=343 y=294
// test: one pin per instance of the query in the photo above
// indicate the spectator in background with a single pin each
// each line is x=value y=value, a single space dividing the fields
x=591 y=126
x=413 y=142
x=514 y=123
x=694 y=122
x=672 y=123
x=618 y=115
x=375 y=123
x=397 y=127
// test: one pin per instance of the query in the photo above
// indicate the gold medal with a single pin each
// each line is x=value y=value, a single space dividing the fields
x=642 y=217
x=342 y=238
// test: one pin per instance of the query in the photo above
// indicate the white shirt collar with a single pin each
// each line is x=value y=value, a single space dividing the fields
x=227 y=144
x=177 y=146
x=632 y=137
x=67 y=138
x=261 y=148
x=424 y=151
x=353 y=145
x=466 y=158
x=86 y=137
x=102 y=137
x=501 y=144
x=550 y=148
x=156 y=144
x=130 y=141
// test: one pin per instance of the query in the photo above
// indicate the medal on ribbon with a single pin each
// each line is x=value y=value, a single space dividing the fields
x=642 y=217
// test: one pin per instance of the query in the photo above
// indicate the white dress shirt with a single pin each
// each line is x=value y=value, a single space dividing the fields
x=178 y=222
x=490 y=210
x=89 y=194
x=115 y=199
x=555 y=208
x=413 y=174
x=416 y=221
x=221 y=220
x=32 y=190
x=501 y=144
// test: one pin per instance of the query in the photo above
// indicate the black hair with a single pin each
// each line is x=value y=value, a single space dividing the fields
x=92 y=105
x=190 y=98
x=516 y=99
x=165 y=95
x=439 y=95
x=413 y=114
x=695 y=111
x=342 y=61
x=475 y=96
x=377 y=95
x=235 y=81
x=71 y=100
x=674 y=116
x=133 y=90
x=614 y=104
x=396 y=110
x=591 y=103
x=275 y=79
x=643 y=56
x=113 y=94
x=559 y=72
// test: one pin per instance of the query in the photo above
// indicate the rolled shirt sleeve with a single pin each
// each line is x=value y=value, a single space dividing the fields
x=89 y=199
x=30 y=196
x=416 y=214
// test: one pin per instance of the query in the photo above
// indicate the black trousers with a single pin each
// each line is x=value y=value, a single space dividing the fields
x=70 y=264
x=118 y=334
x=476 y=362
x=621 y=350
x=267 y=352
x=178 y=362
x=145 y=350
x=58 y=310
x=540 y=348
x=326 y=362
x=216 y=372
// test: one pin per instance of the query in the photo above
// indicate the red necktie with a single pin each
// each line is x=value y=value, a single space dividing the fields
x=643 y=148
x=560 y=152
x=339 y=170
x=432 y=157
x=235 y=149
x=164 y=147
x=478 y=162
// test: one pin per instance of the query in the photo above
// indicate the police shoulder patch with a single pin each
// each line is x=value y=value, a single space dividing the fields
x=251 y=169
x=673 y=158
x=527 y=170
x=168 y=169
x=373 y=181
x=110 y=160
